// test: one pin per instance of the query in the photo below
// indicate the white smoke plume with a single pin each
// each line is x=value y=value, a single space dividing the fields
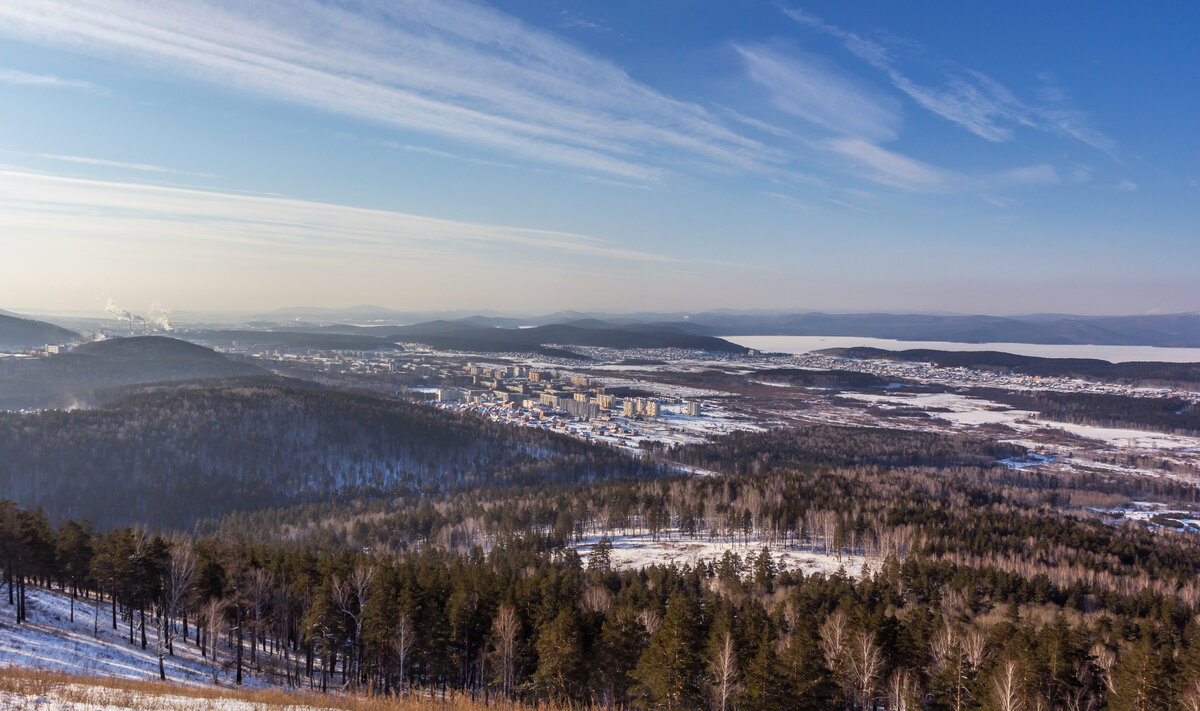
x=158 y=319
x=112 y=308
x=159 y=314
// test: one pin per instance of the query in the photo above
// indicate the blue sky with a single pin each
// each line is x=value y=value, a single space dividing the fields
x=532 y=156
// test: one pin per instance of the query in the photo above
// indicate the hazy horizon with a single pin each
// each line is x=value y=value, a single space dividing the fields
x=466 y=312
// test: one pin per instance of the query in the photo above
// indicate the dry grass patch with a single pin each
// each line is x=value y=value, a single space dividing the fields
x=18 y=682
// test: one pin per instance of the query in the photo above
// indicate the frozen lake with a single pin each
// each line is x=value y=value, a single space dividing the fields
x=1115 y=354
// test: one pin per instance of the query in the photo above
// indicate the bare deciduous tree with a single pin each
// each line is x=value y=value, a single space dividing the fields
x=724 y=670
x=834 y=632
x=402 y=643
x=351 y=596
x=505 y=629
x=902 y=691
x=974 y=647
x=864 y=665
x=177 y=583
x=1106 y=661
x=180 y=573
x=596 y=599
x=212 y=617
x=650 y=620
x=1189 y=700
x=1006 y=688
x=957 y=655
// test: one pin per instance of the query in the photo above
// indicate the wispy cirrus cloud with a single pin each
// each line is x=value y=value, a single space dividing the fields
x=890 y=168
x=123 y=165
x=809 y=87
x=969 y=98
x=849 y=118
x=55 y=208
x=20 y=78
x=887 y=167
x=1040 y=174
x=448 y=68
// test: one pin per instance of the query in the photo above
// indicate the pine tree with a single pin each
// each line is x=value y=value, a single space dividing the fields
x=560 y=670
x=763 y=688
x=74 y=550
x=669 y=671
x=1142 y=677
x=622 y=639
x=810 y=683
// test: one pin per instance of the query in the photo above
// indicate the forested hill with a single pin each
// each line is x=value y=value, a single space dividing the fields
x=1146 y=372
x=16 y=332
x=75 y=377
x=169 y=457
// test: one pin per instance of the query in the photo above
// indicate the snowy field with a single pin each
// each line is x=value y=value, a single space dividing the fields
x=50 y=641
x=959 y=409
x=638 y=550
x=969 y=411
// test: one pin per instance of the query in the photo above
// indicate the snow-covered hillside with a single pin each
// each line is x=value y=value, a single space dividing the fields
x=49 y=640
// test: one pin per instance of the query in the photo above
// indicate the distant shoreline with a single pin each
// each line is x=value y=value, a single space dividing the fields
x=1114 y=354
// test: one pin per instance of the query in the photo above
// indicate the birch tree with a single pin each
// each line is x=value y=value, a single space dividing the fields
x=723 y=667
x=402 y=643
x=1006 y=693
x=505 y=629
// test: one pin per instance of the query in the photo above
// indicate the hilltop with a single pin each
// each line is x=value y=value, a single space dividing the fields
x=18 y=332
x=77 y=377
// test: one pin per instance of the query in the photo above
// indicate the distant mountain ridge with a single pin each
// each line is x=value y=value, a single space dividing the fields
x=1181 y=330
x=1171 y=330
x=350 y=338
x=18 y=332
x=457 y=335
x=485 y=334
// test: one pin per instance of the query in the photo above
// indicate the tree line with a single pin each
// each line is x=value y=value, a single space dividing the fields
x=531 y=620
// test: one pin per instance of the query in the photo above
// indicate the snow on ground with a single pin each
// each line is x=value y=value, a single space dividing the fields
x=661 y=389
x=639 y=549
x=969 y=411
x=1154 y=515
x=1135 y=439
x=50 y=641
x=959 y=409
